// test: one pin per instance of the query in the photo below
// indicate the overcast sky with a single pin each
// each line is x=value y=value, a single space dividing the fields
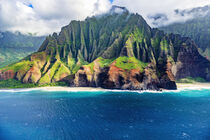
x=47 y=16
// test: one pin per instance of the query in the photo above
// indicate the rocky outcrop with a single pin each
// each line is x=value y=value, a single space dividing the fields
x=32 y=76
x=5 y=75
x=113 y=77
x=167 y=80
x=190 y=63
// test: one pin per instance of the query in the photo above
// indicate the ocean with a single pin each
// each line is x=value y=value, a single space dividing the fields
x=104 y=115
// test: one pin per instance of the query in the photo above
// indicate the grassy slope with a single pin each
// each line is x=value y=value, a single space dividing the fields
x=11 y=83
x=126 y=63
x=23 y=65
x=129 y=63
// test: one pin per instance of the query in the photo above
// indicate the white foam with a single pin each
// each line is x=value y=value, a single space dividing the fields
x=70 y=89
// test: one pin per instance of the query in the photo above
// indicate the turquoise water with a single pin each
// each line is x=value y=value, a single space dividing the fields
x=42 y=115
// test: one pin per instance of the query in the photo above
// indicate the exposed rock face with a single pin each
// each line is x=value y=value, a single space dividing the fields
x=9 y=74
x=32 y=76
x=116 y=78
x=114 y=51
x=190 y=63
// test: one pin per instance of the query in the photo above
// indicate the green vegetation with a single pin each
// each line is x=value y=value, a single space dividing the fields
x=198 y=29
x=102 y=62
x=91 y=66
x=76 y=68
x=129 y=63
x=170 y=59
x=23 y=65
x=105 y=62
x=16 y=46
x=61 y=70
x=78 y=65
x=71 y=62
x=191 y=80
x=124 y=40
x=138 y=35
x=164 y=45
x=12 y=83
x=50 y=73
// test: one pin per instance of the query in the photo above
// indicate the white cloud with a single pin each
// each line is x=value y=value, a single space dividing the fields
x=49 y=16
x=150 y=7
x=46 y=16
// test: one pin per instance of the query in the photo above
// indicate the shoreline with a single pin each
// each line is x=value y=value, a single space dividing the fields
x=180 y=86
x=192 y=86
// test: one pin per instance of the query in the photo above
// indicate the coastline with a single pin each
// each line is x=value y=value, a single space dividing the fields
x=180 y=86
x=192 y=86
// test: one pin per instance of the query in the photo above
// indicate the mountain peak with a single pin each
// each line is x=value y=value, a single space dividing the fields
x=117 y=51
x=118 y=9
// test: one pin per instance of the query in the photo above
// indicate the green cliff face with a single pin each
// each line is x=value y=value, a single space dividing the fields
x=198 y=29
x=115 y=50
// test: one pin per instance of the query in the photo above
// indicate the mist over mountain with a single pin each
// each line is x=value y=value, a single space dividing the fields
x=194 y=12
x=197 y=27
x=178 y=16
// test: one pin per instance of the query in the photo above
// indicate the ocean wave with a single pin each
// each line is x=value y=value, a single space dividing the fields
x=63 y=89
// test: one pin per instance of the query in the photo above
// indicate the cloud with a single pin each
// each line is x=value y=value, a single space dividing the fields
x=148 y=8
x=46 y=16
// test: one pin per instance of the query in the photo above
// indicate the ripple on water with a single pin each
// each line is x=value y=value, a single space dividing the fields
x=47 y=115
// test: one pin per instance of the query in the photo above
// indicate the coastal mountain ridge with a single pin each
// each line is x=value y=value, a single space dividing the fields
x=117 y=50
x=16 y=46
x=196 y=27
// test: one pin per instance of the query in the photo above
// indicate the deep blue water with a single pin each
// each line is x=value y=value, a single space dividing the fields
x=42 y=115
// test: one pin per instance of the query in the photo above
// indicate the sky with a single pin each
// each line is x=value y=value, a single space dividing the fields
x=43 y=17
